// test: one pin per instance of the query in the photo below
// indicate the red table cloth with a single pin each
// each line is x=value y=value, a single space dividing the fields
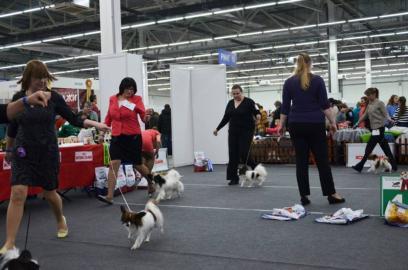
x=77 y=169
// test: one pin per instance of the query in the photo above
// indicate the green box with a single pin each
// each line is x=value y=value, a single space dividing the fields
x=390 y=189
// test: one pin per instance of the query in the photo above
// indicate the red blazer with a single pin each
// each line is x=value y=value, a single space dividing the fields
x=123 y=120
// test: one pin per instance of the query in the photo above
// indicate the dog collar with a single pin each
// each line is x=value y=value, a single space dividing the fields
x=154 y=216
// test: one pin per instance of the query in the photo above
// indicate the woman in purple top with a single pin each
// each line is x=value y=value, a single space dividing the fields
x=305 y=102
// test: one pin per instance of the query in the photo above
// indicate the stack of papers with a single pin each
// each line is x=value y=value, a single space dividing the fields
x=287 y=213
x=343 y=216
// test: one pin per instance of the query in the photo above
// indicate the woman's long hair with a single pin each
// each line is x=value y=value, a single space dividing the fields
x=302 y=70
x=391 y=100
x=372 y=91
x=402 y=106
x=34 y=69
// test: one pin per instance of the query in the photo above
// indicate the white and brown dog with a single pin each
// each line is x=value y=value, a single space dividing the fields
x=379 y=162
x=141 y=224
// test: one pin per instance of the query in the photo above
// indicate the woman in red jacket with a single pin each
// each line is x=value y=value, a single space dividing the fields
x=126 y=142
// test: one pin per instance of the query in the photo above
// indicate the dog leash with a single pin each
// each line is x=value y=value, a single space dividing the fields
x=28 y=228
x=114 y=175
x=249 y=150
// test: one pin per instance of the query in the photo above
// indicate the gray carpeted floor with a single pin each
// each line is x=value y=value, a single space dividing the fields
x=219 y=227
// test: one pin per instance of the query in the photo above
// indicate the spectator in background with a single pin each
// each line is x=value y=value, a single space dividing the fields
x=263 y=124
x=152 y=119
x=356 y=112
x=95 y=108
x=392 y=105
x=341 y=115
x=88 y=113
x=401 y=113
x=150 y=147
x=164 y=127
x=276 y=113
x=334 y=110
x=363 y=108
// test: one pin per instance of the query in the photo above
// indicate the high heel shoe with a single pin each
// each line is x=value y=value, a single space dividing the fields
x=334 y=200
x=3 y=250
x=233 y=182
x=304 y=200
x=357 y=169
x=62 y=233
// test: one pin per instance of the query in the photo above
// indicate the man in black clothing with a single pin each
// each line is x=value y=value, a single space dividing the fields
x=164 y=127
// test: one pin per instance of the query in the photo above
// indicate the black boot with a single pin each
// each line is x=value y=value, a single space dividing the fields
x=304 y=200
x=334 y=200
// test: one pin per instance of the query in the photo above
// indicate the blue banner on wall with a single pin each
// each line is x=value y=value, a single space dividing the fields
x=227 y=58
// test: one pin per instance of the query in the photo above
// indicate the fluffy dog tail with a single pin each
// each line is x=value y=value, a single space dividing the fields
x=151 y=206
x=180 y=187
x=261 y=170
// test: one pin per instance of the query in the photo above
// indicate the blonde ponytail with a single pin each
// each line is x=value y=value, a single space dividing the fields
x=302 y=70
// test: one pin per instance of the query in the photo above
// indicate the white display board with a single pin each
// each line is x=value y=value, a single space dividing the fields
x=181 y=116
x=198 y=97
x=112 y=69
x=355 y=153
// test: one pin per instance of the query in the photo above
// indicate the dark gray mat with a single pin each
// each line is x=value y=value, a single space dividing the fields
x=219 y=227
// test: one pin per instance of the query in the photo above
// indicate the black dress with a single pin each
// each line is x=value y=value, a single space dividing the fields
x=36 y=157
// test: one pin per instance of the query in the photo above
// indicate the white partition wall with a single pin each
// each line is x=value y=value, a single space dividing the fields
x=112 y=69
x=199 y=97
x=181 y=116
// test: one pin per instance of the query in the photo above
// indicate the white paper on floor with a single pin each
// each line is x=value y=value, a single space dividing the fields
x=343 y=216
x=287 y=213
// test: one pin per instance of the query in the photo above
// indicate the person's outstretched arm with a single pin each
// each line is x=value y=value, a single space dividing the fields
x=224 y=121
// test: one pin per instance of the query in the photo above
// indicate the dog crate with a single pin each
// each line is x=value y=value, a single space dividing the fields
x=273 y=150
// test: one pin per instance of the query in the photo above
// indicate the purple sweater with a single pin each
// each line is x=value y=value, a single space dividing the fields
x=304 y=106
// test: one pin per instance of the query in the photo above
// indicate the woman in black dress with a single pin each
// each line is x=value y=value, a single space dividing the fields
x=240 y=114
x=33 y=146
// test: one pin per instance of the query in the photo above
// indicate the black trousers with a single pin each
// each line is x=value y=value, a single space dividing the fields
x=239 y=143
x=384 y=146
x=308 y=137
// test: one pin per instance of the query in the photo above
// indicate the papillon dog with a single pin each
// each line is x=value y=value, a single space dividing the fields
x=12 y=259
x=141 y=224
x=379 y=162
x=253 y=177
x=168 y=186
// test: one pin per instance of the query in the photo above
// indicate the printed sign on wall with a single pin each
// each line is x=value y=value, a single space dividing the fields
x=83 y=156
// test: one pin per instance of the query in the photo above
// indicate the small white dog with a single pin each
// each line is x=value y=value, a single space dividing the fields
x=255 y=177
x=377 y=162
x=140 y=225
x=168 y=186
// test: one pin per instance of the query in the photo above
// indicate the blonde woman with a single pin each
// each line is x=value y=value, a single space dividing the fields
x=32 y=147
x=305 y=102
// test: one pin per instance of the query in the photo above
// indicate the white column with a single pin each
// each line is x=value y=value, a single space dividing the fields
x=333 y=63
x=110 y=20
x=368 y=77
x=333 y=66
